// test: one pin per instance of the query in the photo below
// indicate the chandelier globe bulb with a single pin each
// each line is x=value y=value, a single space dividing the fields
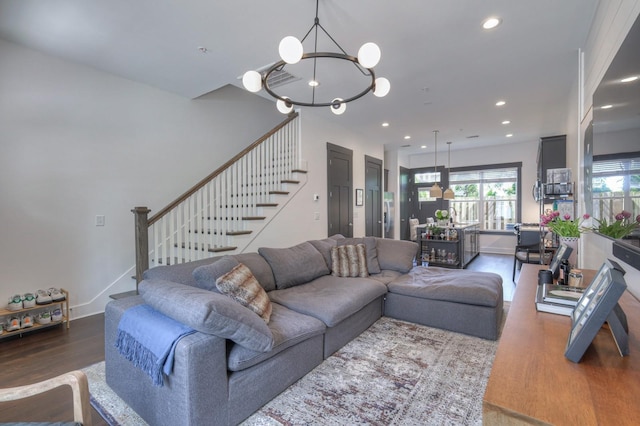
x=252 y=81
x=337 y=106
x=290 y=50
x=382 y=87
x=283 y=106
x=369 y=55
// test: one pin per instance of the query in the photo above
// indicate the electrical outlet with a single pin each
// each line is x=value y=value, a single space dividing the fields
x=100 y=220
x=316 y=215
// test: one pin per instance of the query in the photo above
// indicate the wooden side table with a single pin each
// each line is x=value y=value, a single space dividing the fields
x=531 y=381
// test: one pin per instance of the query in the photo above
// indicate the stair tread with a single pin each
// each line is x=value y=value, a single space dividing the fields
x=266 y=204
x=290 y=181
x=279 y=192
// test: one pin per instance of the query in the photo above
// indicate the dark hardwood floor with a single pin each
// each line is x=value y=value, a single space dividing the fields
x=501 y=264
x=47 y=353
x=44 y=354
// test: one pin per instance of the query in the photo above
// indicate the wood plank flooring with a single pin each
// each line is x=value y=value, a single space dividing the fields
x=44 y=354
x=47 y=353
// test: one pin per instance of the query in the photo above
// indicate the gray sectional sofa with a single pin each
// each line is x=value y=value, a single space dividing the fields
x=236 y=362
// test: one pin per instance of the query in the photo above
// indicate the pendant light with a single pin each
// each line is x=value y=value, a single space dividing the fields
x=448 y=194
x=435 y=191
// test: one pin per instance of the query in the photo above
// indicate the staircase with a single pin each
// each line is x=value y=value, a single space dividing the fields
x=228 y=209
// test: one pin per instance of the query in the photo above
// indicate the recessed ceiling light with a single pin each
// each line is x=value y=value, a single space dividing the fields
x=385 y=124
x=490 y=23
x=629 y=79
x=606 y=106
x=423 y=146
x=509 y=135
x=500 y=103
x=407 y=137
x=314 y=83
x=506 y=122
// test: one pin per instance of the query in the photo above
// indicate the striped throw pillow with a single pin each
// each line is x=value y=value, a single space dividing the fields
x=240 y=285
x=349 y=261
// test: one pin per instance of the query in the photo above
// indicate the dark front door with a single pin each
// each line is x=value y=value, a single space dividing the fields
x=373 y=196
x=340 y=190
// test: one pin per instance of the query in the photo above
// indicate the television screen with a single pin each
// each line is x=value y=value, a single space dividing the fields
x=563 y=252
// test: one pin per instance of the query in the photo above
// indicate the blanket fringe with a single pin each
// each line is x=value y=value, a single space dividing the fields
x=140 y=356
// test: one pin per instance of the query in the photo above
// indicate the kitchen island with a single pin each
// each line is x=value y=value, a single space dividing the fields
x=451 y=246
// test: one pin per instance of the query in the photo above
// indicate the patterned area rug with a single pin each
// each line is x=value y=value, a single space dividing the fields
x=395 y=373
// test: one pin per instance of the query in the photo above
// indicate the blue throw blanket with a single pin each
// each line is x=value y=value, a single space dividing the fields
x=148 y=339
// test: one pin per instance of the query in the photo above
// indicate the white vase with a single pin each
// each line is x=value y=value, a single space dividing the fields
x=572 y=242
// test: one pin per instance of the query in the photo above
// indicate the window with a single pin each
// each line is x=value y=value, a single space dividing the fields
x=487 y=195
x=616 y=185
x=424 y=191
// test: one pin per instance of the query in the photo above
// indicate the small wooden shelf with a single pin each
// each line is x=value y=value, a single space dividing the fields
x=5 y=314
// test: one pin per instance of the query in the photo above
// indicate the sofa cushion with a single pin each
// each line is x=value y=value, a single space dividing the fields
x=372 y=252
x=180 y=273
x=349 y=261
x=294 y=265
x=330 y=299
x=451 y=285
x=324 y=247
x=288 y=328
x=259 y=268
x=396 y=255
x=240 y=284
x=386 y=276
x=208 y=312
x=207 y=275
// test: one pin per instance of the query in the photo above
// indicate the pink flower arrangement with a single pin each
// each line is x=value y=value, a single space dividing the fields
x=620 y=228
x=563 y=227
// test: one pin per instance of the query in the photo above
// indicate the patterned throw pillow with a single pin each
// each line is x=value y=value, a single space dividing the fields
x=240 y=284
x=349 y=261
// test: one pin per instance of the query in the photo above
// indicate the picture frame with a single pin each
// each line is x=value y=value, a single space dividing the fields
x=359 y=197
x=597 y=305
x=563 y=252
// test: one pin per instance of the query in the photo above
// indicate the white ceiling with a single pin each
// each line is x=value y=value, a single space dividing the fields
x=446 y=72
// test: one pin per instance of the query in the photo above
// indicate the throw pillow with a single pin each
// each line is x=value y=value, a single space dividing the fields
x=349 y=261
x=240 y=284
x=295 y=265
x=370 y=244
x=207 y=275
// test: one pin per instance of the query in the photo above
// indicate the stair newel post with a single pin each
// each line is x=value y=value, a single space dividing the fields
x=142 y=241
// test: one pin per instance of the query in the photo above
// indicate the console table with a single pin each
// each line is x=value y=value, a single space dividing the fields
x=531 y=381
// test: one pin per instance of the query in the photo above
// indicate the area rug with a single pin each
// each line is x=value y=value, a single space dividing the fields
x=395 y=373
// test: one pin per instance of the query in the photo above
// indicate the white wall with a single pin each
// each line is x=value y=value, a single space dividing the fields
x=298 y=224
x=76 y=143
x=611 y=24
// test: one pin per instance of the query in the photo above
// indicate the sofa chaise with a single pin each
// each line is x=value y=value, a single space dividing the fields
x=321 y=295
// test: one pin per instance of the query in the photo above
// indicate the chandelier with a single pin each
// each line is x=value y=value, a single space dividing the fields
x=292 y=52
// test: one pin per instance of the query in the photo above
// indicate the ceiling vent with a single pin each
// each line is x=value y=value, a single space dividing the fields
x=277 y=78
x=280 y=78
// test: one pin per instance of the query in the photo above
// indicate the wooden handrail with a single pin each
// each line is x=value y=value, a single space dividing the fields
x=221 y=169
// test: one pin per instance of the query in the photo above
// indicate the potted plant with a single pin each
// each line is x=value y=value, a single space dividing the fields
x=620 y=228
x=568 y=230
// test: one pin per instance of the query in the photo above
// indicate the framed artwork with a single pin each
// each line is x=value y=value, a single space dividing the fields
x=597 y=305
x=359 y=195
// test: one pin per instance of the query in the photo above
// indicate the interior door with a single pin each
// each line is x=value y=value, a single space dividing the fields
x=373 y=196
x=340 y=190
x=404 y=199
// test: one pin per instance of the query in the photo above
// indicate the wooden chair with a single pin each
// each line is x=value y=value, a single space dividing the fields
x=79 y=387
